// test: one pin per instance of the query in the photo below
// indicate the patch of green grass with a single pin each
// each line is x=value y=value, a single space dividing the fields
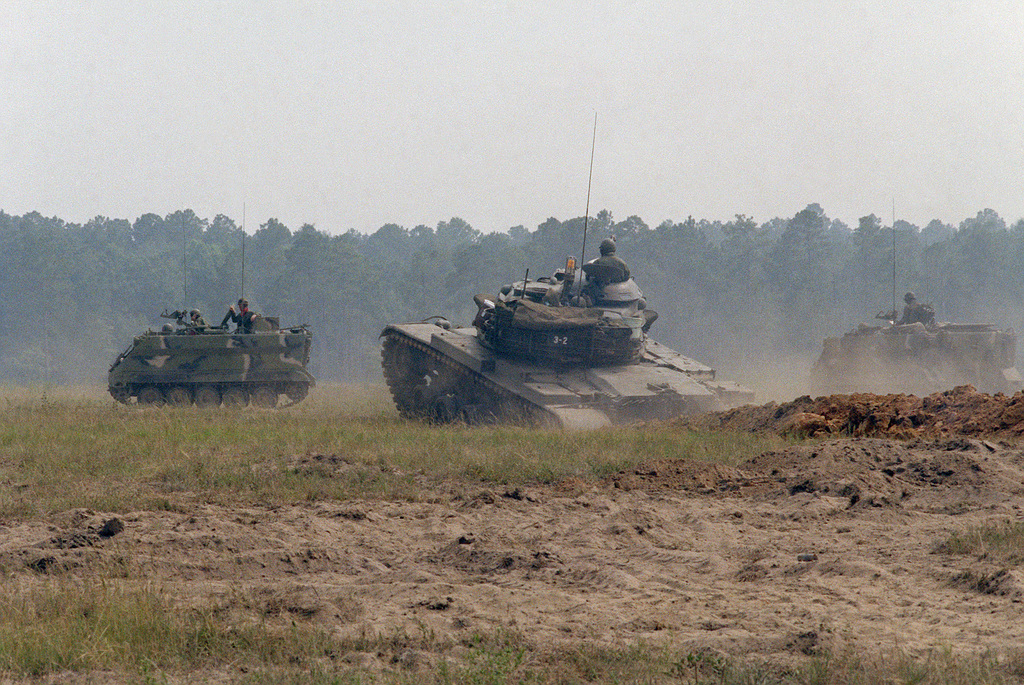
x=499 y=661
x=97 y=625
x=342 y=442
x=107 y=626
x=1001 y=543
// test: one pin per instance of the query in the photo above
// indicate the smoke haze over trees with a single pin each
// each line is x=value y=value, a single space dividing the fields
x=736 y=295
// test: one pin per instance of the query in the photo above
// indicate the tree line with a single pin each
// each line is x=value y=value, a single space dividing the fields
x=734 y=294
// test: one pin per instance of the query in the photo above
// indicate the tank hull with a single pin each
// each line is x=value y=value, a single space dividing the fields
x=446 y=375
x=916 y=360
x=213 y=368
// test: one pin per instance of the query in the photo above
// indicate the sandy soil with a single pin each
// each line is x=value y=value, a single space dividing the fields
x=824 y=545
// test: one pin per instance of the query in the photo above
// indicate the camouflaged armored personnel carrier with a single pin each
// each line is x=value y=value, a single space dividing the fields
x=208 y=366
x=918 y=359
x=539 y=354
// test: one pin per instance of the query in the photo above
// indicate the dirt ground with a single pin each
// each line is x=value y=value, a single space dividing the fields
x=825 y=545
x=960 y=411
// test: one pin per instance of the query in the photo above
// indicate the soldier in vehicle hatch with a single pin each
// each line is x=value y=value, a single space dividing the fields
x=615 y=269
x=916 y=313
x=243 y=317
x=196 y=322
x=604 y=270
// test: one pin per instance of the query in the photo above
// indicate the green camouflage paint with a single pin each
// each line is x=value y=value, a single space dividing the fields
x=179 y=364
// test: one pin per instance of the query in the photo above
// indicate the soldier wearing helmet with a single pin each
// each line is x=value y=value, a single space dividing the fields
x=608 y=267
x=916 y=313
x=243 y=317
x=604 y=270
x=195 y=323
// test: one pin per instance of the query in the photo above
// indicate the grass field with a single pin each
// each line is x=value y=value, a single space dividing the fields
x=74 y=448
x=124 y=458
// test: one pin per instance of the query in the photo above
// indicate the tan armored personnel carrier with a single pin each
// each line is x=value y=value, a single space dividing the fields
x=918 y=359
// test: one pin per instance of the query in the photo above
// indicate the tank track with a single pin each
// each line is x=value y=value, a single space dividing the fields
x=427 y=385
x=207 y=395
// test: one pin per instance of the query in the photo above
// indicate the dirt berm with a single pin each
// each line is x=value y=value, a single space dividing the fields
x=960 y=411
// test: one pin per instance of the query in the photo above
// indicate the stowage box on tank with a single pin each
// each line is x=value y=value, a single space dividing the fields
x=210 y=366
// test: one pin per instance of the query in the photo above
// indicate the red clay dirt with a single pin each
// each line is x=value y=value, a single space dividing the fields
x=960 y=411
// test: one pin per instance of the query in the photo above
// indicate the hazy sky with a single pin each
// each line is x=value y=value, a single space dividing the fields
x=358 y=113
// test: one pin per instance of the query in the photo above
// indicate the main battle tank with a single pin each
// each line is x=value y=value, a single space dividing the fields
x=530 y=357
x=918 y=359
x=183 y=364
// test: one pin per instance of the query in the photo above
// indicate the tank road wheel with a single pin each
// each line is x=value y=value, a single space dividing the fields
x=264 y=397
x=445 y=409
x=297 y=392
x=121 y=394
x=150 y=395
x=207 y=396
x=236 y=397
x=179 y=396
x=425 y=387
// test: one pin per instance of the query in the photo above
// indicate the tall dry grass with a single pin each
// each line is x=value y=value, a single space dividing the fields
x=999 y=542
x=63 y=448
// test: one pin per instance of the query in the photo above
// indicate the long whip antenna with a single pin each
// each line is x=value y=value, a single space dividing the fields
x=894 y=259
x=242 y=294
x=184 y=264
x=586 y=212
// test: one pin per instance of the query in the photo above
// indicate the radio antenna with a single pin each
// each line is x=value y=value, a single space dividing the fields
x=184 y=264
x=242 y=294
x=586 y=212
x=894 y=260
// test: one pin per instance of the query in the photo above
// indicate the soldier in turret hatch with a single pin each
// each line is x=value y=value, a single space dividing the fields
x=243 y=317
x=916 y=313
x=615 y=270
x=604 y=270
x=196 y=322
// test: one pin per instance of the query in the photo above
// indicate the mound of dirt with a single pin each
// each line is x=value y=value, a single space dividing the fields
x=934 y=476
x=960 y=411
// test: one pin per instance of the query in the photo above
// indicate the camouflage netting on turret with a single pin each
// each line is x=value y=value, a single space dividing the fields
x=563 y=336
x=539 y=317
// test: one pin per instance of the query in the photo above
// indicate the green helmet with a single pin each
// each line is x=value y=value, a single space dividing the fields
x=607 y=246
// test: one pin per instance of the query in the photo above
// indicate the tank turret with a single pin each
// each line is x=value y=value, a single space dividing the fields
x=544 y=322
